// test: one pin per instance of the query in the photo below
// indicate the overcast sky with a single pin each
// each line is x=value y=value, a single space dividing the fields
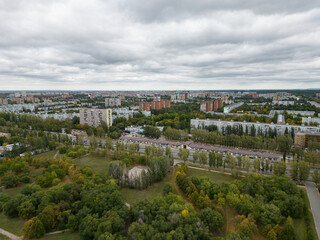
x=159 y=45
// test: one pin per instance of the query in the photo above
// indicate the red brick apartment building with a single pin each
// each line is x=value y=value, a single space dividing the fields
x=154 y=105
x=211 y=106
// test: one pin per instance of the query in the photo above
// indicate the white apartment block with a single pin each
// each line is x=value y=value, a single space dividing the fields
x=263 y=127
x=110 y=102
x=285 y=103
x=308 y=120
x=229 y=108
x=93 y=117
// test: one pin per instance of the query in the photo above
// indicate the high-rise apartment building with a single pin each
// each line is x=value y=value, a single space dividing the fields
x=94 y=117
x=110 y=102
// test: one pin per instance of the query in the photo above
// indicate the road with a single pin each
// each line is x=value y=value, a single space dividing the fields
x=314 y=198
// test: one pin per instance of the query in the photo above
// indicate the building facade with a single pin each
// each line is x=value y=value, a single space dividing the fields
x=211 y=106
x=263 y=128
x=302 y=138
x=94 y=117
x=154 y=105
x=110 y=102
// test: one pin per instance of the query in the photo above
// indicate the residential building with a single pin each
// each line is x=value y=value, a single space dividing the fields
x=262 y=128
x=4 y=101
x=302 y=138
x=94 y=116
x=229 y=108
x=154 y=105
x=110 y=102
x=281 y=119
x=211 y=106
x=285 y=103
x=310 y=120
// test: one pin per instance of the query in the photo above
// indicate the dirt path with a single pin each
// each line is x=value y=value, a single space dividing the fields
x=9 y=235
x=55 y=156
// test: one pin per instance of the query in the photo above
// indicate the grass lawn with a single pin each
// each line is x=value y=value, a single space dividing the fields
x=229 y=214
x=13 y=225
x=13 y=191
x=217 y=177
x=49 y=154
x=153 y=191
x=299 y=229
x=313 y=226
x=98 y=164
x=62 y=236
x=34 y=173
x=3 y=237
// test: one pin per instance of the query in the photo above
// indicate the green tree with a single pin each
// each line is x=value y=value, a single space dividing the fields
x=212 y=218
x=151 y=132
x=279 y=168
x=300 y=171
x=247 y=164
x=203 y=158
x=212 y=159
x=26 y=210
x=88 y=227
x=288 y=231
x=284 y=144
x=316 y=177
x=167 y=188
x=33 y=228
x=195 y=156
x=271 y=235
x=256 y=164
x=9 y=180
x=184 y=154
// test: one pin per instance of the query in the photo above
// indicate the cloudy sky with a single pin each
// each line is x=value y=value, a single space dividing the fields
x=159 y=44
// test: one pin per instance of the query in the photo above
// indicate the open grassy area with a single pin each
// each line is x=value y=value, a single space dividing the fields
x=313 y=226
x=98 y=164
x=217 y=177
x=62 y=236
x=153 y=191
x=13 y=191
x=13 y=225
x=299 y=229
x=34 y=173
x=49 y=154
x=3 y=237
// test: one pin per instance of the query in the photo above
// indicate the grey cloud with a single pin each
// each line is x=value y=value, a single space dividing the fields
x=122 y=44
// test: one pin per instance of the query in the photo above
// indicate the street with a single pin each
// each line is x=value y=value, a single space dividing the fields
x=314 y=198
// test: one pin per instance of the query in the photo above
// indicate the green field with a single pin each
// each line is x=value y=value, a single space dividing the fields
x=34 y=173
x=13 y=191
x=313 y=226
x=3 y=237
x=12 y=225
x=49 y=154
x=217 y=177
x=62 y=236
x=153 y=191
x=98 y=164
